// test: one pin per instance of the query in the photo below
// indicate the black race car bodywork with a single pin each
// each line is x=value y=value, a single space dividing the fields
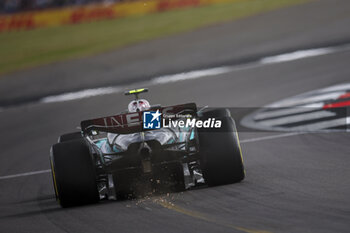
x=115 y=157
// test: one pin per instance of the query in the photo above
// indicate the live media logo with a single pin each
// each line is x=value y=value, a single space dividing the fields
x=151 y=120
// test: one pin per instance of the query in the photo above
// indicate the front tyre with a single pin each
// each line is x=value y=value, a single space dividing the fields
x=220 y=152
x=73 y=173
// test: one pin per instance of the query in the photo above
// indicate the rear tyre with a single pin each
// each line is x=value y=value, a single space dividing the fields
x=215 y=113
x=74 y=174
x=69 y=137
x=221 y=158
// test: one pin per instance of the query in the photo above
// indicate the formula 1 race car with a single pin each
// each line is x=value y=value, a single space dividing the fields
x=146 y=149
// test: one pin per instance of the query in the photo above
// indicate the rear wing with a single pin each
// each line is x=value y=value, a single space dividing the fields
x=133 y=122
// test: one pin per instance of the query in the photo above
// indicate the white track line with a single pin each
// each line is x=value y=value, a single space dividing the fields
x=191 y=75
x=309 y=100
x=297 y=55
x=196 y=74
x=297 y=118
x=242 y=142
x=288 y=111
x=323 y=125
x=270 y=137
x=340 y=87
x=24 y=174
x=80 y=94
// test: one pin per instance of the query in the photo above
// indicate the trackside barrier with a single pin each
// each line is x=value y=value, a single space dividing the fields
x=74 y=15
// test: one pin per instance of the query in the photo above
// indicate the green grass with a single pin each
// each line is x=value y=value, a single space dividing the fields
x=23 y=49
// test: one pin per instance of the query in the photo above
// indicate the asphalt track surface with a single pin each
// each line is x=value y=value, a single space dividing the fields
x=294 y=183
x=316 y=24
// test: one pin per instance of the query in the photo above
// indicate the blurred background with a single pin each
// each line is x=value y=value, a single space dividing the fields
x=64 y=61
x=54 y=46
x=12 y=6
